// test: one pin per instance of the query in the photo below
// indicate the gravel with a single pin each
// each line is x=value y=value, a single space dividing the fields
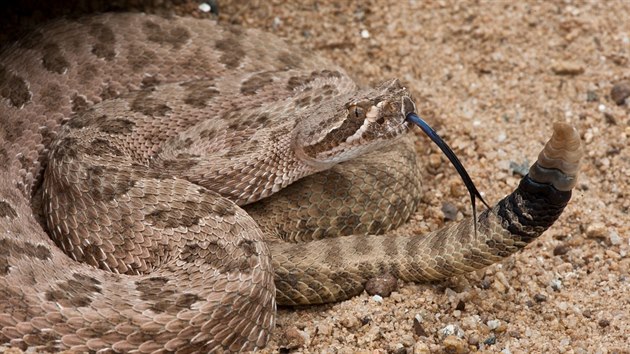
x=491 y=76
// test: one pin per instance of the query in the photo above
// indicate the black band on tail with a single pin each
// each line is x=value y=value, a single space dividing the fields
x=532 y=208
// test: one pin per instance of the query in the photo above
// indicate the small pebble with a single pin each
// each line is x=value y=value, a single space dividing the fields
x=421 y=348
x=614 y=238
x=381 y=286
x=418 y=329
x=450 y=211
x=563 y=306
x=456 y=345
x=610 y=119
x=493 y=324
x=591 y=96
x=620 y=92
x=461 y=305
x=205 y=7
x=556 y=284
x=398 y=348
x=540 y=298
x=603 y=323
x=567 y=68
x=324 y=330
x=294 y=338
x=350 y=322
x=560 y=250
x=435 y=160
x=473 y=340
x=490 y=341
x=450 y=330
x=596 y=230
x=519 y=169
x=377 y=298
x=365 y=34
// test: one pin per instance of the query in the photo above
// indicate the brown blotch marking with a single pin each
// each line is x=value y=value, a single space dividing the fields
x=139 y=57
x=4 y=265
x=262 y=119
x=173 y=218
x=199 y=92
x=256 y=82
x=52 y=97
x=117 y=126
x=175 y=36
x=180 y=144
x=79 y=104
x=334 y=255
x=316 y=99
x=100 y=147
x=109 y=92
x=48 y=135
x=247 y=260
x=154 y=290
x=185 y=301
x=107 y=183
x=84 y=119
x=297 y=81
x=224 y=208
x=173 y=305
x=362 y=246
x=376 y=227
x=232 y=51
x=208 y=134
x=149 y=106
x=53 y=60
x=105 y=40
x=47 y=342
x=11 y=248
x=25 y=161
x=14 y=88
x=18 y=249
x=216 y=256
x=75 y=292
x=347 y=222
x=303 y=102
x=248 y=247
x=150 y=81
x=67 y=147
x=4 y=159
x=6 y=210
x=289 y=60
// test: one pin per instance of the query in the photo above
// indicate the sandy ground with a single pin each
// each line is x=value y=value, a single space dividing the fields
x=491 y=76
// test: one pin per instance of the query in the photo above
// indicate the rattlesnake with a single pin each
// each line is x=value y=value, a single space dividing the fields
x=130 y=139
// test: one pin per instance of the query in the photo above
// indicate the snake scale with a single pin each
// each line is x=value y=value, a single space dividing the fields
x=147 y=195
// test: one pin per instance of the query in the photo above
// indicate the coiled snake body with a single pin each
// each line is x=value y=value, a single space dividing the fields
x=138 y=158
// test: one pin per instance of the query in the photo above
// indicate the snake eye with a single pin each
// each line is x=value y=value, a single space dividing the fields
x=358 y=112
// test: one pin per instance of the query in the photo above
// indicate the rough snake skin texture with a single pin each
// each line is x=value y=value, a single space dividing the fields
x=147 y=195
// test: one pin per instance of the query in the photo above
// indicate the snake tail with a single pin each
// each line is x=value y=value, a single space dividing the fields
x=506 y=228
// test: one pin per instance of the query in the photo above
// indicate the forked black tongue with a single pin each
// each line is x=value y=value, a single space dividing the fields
x=472 y=190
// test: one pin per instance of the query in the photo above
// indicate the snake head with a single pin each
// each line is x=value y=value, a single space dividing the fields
x=367 y=121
